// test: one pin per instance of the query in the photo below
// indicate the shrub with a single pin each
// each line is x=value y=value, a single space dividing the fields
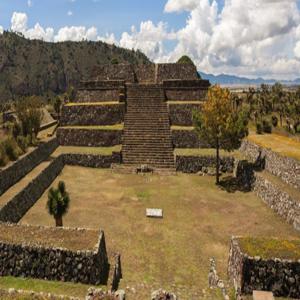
x=12 y=149
x=274 y=121
x=23 y=143
x=259 y=129
x=267 y=127
x=16 y=130
x=3 y=156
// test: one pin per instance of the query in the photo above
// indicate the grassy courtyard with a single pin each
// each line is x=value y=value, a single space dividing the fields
x=174 y=252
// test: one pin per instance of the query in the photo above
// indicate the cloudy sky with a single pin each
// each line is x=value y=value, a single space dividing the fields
x=244 y=37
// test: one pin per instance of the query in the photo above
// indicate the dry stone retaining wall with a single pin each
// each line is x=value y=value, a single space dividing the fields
x=98 y=95
x=16 y=171
x=92 y=115
x=288 y=169
x=281 y=202
x=254 y=273
x=89 y=137
x=195 y=164
x=182 y=114
x=17 y=207
x=35 y=261
x=176 y=71
x=187 y=139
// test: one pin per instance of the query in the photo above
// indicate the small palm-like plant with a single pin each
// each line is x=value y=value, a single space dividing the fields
x=58 y=203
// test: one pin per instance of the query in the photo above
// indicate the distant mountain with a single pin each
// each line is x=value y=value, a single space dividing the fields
x=225 y=79
x=35 y=67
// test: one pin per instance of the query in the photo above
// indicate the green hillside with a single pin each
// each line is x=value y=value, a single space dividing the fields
x=35 y=67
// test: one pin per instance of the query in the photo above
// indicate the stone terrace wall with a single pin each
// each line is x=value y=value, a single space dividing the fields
x=277 y=275
x=187 y=139
x=182 y=114
x=92 y=161
x=88 y=267
x=194 y=164
x=282 y=203
x=186 y=90
x=17 y=207
x=176 y=71
x=145 y=73
x=120 y=72
x=89 y=137
x=16 y=171
x=288 y=169
x=92 y=115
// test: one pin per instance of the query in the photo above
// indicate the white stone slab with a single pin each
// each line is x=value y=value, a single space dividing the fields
x=154 y=213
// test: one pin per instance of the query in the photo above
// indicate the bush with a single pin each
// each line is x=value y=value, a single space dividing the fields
x=274 y=121
x=3 y=156
x=259 y=129
x=12 y=149
x=23 y=143
x=267 y=127
x=16 y=130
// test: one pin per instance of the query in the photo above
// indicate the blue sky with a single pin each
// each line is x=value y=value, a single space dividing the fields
x=244 y=37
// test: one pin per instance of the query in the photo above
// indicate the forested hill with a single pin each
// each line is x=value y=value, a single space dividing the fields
x=35 y=67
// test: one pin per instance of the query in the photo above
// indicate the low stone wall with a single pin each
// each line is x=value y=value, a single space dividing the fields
x=17 y=207
x=185 y=94
x=89 y=137
x=26 y=259
x=182 y=114
x=98 y=95
x=281 y=276
x=194 y=164
x=11 y=174
x=288 y=169
x=92 y=115
x=187 y=139
x=176 y=71
x=281 y=202
x=92 y=161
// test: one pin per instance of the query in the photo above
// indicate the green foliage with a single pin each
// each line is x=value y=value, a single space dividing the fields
x=274 y=121
x=23 y=142
x=220 y=122
x=3 y=156
x=11 y=149
x=16 y=130
x=185 y=60
x=57 y=105
x=267 y=127
x=259 y=128
x=30 y=115
x=114 y=61
x=58 y=202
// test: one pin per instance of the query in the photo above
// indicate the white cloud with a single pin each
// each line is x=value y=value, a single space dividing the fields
x=19 y=22
x=1 y=29
x=70 y=13
x=76 y=33
x=29 y=3
x=180 y=5
x=108 y=38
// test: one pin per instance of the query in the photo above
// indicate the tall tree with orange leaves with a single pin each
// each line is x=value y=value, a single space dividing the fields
x=221 y=123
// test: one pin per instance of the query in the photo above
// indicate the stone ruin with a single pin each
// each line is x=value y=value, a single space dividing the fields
x=146 y=108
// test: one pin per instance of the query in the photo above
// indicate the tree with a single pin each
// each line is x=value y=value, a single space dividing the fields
x=220 y=123
x=185 y=60
x=57 y=105
x=58 y=203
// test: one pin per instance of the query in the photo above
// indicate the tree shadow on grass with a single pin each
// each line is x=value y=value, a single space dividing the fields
x=231 y=184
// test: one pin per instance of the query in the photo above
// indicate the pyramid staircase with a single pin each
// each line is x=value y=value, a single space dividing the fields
x=147 y=134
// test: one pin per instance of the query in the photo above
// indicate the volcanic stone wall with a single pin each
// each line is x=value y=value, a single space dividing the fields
x=176 y=71
x=187 y=139
x=195 y=164
x=186 y=90
x=60 y=264
x=182 y=114
x=92 y=115
x=288 y=169
x=11 y=174
x=17 y=207
x=281 y=202
x=88 y=137
x=145 y=73
x=280 y=276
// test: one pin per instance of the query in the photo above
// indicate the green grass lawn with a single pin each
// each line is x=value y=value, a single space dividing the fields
x=93 y=103
x=171 y=253
x=189 y=128
x=86 y=150
x=53 y=287
x=206 y=152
